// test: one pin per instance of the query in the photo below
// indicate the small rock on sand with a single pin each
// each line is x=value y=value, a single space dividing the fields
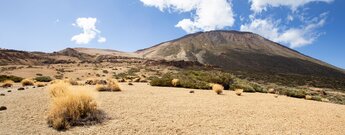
x=3 y=108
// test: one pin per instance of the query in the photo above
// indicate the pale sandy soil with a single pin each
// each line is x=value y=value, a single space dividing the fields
x=142 y=109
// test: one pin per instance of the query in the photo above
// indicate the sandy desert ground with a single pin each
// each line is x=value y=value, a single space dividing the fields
x=143 y=109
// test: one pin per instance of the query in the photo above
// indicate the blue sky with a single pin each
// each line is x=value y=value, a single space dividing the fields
x=313 y=27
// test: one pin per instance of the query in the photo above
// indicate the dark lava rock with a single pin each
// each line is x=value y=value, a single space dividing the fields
x=3 y=108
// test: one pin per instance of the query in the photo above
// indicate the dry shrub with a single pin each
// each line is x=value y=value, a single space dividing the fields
x=59 y=89
x=218 y=88
x=40 y=84
x=7 y=83
x=175 y=82
x=72 y=81
x=112 y=85
x=72 y=106
x=238 y=92
x=95 y=81
x=27 y=82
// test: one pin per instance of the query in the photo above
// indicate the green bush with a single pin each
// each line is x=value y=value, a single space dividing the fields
x=194 y=79
x=242 y=84
x=132 y=71
x=259 y=88
x=292 y=92
x=316 y=98
x=164 y=81
x=11 y=77
x=43 y=79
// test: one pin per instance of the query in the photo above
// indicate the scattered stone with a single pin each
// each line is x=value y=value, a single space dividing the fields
x=21 y=88
x=9 y=91
x=2 y=94
x=276 y=96
x=34 y=87
x=192 y=91
x=3 y=108
x=130 y=83
x=136 y=79
x=324 y=100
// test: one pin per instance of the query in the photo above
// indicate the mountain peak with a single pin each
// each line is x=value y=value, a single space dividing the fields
x=239 y=51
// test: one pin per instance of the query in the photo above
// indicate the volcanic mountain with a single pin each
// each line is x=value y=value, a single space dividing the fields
x=240 y=51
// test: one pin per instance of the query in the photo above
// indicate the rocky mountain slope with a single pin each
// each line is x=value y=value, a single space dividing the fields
x=240 y=51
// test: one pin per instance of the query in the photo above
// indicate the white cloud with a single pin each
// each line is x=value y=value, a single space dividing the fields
x=262 y=5
x=287 y=34
x=294 y=37
x=102 y=40
x=209 y=14
x=89 y=30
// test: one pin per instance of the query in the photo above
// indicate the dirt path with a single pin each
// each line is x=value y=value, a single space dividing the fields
x=142 y=109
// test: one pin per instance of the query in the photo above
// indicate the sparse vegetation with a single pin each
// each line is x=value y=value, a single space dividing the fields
x=72 y=81
x=292 y=92
x=94 y=81
x=218 y=88
x=7 y=83
x=40 y=84
x=194 y=79
x=43 y=79
x=316 y=98
x=72 y=107
x=242 y=84
x=59 y=76
x=112 y=85
x=27 y=82
x=11 y=77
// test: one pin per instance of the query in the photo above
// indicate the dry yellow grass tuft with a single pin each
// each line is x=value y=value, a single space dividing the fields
x=218 y=88
x=7 y=83
x=27 y=82
x=308 y=97
x=72 y=106
x=112 y=85
x=238 y=92
x=59 y=88
x=175 y=82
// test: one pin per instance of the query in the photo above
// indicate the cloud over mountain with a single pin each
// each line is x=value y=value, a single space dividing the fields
x=88 y=25
x=209 y=14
